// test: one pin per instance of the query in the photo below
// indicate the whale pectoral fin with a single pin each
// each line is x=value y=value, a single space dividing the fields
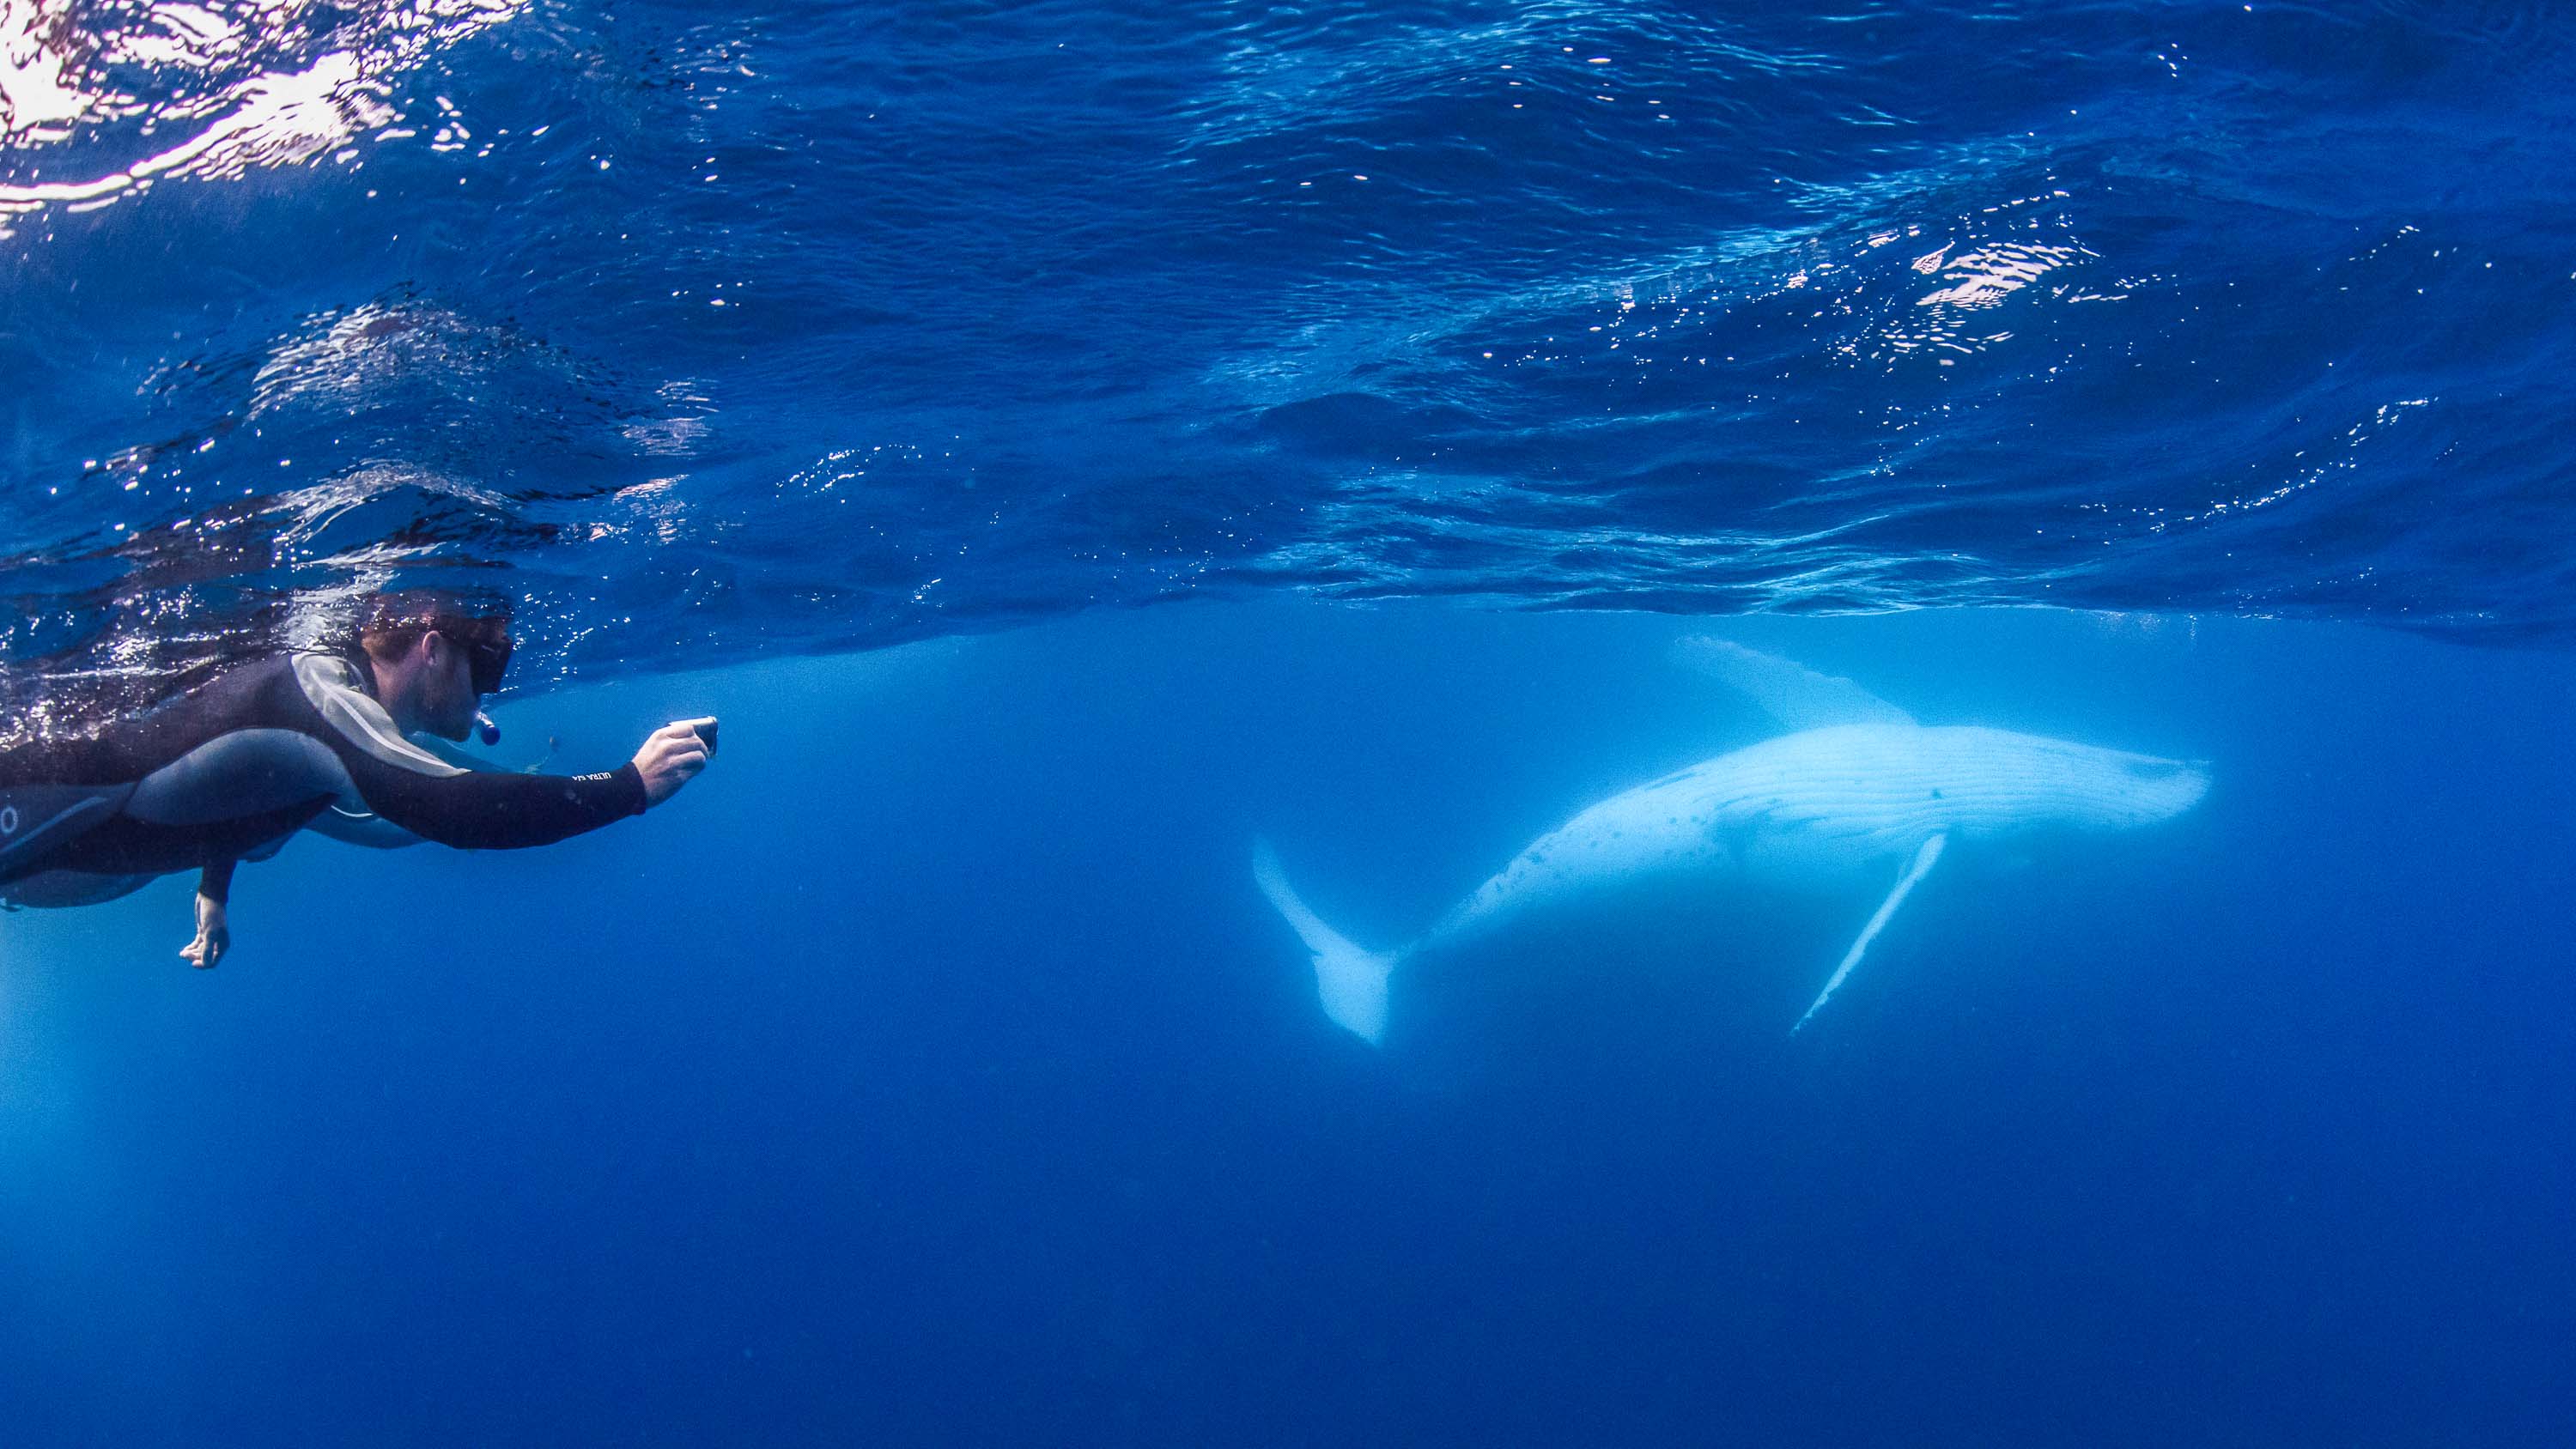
x=1922 y=866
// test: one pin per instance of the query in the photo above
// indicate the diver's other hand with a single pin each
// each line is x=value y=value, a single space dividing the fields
x=672 y=756
x=214 y=936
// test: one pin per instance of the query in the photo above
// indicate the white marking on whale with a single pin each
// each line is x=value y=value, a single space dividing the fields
x=1828 y=801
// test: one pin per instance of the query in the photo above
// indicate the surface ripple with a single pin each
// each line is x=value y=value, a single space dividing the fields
x=706 y=339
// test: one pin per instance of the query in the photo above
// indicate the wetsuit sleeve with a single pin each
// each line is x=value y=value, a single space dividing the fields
x=215 y=882
x=491 y=810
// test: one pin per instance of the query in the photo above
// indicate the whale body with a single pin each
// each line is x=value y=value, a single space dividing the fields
x=1827 y=803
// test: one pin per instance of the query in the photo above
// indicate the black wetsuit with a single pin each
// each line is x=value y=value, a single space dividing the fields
x=229 y=770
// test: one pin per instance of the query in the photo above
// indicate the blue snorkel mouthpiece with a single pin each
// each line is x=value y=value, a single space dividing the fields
x=486 y=731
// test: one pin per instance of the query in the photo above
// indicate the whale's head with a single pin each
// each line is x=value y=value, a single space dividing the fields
x=2116 y=790
x=2001 y=783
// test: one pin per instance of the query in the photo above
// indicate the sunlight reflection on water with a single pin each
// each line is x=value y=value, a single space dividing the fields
x=243 y=85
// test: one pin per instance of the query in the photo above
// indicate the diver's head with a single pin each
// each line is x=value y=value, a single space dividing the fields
x=434 y=659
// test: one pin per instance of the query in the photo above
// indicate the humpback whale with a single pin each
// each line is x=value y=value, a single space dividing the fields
x=1855 y=787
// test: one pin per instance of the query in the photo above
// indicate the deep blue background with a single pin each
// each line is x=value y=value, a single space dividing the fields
x=931 y=1073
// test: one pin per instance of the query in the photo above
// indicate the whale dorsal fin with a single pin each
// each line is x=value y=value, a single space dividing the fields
x=1795 y=695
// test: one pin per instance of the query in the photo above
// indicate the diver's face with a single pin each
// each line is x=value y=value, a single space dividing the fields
x=447 y=697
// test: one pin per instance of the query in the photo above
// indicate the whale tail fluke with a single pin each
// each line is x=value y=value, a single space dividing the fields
x=1350 y=982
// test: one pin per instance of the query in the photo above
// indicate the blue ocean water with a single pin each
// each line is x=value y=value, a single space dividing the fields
x=1066 y=443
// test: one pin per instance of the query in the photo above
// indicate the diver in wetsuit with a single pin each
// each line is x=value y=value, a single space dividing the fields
x=230 y=770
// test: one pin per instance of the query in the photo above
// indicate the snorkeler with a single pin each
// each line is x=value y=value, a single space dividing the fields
x=228 y=771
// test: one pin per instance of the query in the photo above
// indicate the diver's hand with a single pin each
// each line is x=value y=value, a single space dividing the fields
x=672 y=756
x=214 y=936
